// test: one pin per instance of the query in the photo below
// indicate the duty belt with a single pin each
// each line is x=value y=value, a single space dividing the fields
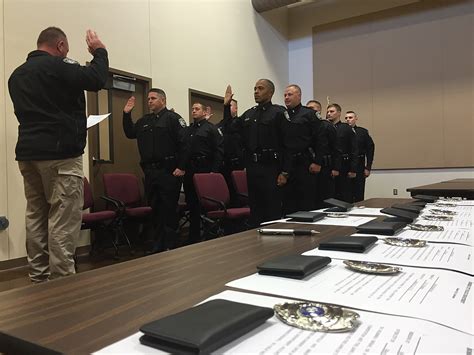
x=159 y=164
x=265 y=156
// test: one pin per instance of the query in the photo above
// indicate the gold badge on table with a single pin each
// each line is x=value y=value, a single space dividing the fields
x=405 y=242
x=425 y=227
x=372 y=268
x=319 y=317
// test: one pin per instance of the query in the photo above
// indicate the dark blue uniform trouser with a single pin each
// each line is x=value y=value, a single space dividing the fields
x=162 y=192
x=264 y=194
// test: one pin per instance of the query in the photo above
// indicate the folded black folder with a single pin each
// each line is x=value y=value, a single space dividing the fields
x=408 y=207
x=305 y=216
x=383 y=228
x=339 y=206
x=426 y=198
x=401 y=215
x=293 y=266
x=204 y=328
x=351 y=244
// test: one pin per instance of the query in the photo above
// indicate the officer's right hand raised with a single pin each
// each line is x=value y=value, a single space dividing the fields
x=129 y=105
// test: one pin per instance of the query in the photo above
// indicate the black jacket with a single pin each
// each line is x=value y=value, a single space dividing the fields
x=347 y=148
x=159 y=136
x=301 y=134
x=366 y=148
x=206 y=147
x=48 y=98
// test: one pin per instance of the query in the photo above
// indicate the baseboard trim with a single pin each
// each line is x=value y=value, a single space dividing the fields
x=23 y=261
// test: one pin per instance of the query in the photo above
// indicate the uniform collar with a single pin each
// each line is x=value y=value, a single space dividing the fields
x=265 y=106
x=38 y=53
x=294 y=110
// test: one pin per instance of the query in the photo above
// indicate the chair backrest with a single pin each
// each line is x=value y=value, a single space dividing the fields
x=88 y=198
x=211 y=185
x=123 y=187
x=239 y=179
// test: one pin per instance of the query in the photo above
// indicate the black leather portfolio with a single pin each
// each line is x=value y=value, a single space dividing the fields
x=426 y=198
x=408 y=207
x=339 y=206
x=383 y=228
x=293 y=266
x=402 y=215
x=305 y=216
x=204 y=328
x=350 y=244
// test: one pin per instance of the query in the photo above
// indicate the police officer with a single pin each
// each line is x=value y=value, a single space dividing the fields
x=160 y=138
x=302 y=141
x=260 y=129
x=48 y=96
x=233 y=150
x=206 y=151
x=345 y=164
x=325 y=187
x=366 y=148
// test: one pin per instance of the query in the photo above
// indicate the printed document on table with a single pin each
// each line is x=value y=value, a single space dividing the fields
x=441 y=296
x=434 y=255
x=92 y=120
x=363 y=211
x=349 y=221
x=375 y=334
x=448 y=235
x=455 y=223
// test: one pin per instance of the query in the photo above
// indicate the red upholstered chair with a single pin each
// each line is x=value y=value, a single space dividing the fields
x=124 y=190
x=213 y=195
x=239 y=180
x=97 y=220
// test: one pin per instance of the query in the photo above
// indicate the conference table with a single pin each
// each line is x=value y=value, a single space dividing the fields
x=88 y=311
x=463 y=187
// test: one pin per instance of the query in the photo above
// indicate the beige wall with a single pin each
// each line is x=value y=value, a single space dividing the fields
x=303 y=20
x=180 y=44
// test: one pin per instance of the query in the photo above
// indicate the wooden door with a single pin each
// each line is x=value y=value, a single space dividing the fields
x=110 y=151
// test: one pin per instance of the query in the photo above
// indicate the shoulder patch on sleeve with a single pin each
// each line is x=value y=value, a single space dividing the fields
x=182 y=122
x=70 y=61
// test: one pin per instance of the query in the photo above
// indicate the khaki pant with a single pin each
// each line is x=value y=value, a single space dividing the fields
x=54 y=196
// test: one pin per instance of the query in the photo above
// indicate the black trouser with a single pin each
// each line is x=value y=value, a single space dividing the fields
x=162 y=192
x=300 y=189
x=229 y=166
x=358 y=187
x=325 y=187
x=344 y=187
x=264 y=194
x=192 y=200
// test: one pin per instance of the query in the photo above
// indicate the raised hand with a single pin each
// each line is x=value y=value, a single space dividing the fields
x=228 y=95
x=93 y=41
x=129 y=105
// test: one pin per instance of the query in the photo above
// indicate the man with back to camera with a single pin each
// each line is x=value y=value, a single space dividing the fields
x=345 y=164
x=260 y=131
x=366 y=148
x=303 y=142
x=48 y=97
x=206 y=151
x=324 y=181
x=160 y=138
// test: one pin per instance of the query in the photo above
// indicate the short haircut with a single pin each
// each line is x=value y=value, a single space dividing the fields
x=336 y=106
x=158 y=91
x=355 y=114
x=295 y=86
x=269 y=83
x=203 y=107
x=50 y=36
x=314 y=101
